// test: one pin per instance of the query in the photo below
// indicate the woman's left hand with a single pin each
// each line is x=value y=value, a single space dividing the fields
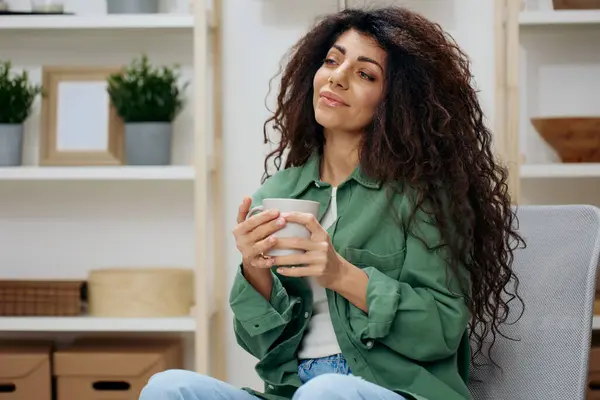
x=320 y=260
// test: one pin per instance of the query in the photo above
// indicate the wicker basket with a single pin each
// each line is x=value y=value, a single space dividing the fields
x=40 y=298
x=576 y=4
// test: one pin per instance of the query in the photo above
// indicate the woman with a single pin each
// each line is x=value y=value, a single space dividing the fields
x=411 y=253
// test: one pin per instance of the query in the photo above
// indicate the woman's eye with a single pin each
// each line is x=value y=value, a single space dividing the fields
x=364 y=75
x=329 y=61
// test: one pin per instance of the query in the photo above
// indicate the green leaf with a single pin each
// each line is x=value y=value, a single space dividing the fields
x=16 y=95
x=143 y=93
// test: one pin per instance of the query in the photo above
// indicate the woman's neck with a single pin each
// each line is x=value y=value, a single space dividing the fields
x=340 y=157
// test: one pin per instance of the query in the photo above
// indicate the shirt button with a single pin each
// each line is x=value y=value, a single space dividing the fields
x=306 y=314
x=369 y=344
x=271 y=387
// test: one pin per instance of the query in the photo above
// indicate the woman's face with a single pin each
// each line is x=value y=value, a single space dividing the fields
x=349 y=85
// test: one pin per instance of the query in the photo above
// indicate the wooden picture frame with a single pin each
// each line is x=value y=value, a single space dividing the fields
x=80 y=126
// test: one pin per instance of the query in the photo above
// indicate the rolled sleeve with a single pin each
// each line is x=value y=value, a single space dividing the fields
x=423 y=314
x=255 y=314
x=383 y=299
x=404 y=318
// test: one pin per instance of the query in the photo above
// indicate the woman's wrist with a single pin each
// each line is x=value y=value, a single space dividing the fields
x=352 y=284
x=261 y=279
x=257 y=272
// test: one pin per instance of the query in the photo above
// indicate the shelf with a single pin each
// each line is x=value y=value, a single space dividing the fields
x=113 y=173
x=62 y=22
x=558 y=170
x=567 y=17
x=94 y=324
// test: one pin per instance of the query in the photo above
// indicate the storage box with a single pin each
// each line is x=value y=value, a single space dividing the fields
x=109 y=370
x=25 y=371
x=140 y=292
x=593 y=392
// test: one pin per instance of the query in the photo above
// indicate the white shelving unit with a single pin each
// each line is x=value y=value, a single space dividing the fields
x=61 y=222
x=556 y=75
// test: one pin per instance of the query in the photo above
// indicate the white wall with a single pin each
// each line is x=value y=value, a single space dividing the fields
x=257 y=33
x=559 y=69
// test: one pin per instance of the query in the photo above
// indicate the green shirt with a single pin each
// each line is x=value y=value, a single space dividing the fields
x=413 y=339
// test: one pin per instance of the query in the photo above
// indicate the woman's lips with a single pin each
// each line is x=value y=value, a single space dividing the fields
x=332 y=100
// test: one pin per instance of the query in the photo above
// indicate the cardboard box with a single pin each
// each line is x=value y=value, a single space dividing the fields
x=109 y=370
x=593 y=391
x=25 y=371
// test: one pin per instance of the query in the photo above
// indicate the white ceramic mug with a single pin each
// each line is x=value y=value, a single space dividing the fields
x=292 y=229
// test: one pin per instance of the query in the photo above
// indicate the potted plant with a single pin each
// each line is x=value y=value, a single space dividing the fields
x=148 y=99
x=16 y=97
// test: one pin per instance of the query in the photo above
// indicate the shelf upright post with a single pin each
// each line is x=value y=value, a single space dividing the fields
x=202 y=303
x=218 y=316
x=506 y=118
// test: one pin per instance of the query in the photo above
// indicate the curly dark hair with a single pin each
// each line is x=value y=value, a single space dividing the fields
x=427 y=132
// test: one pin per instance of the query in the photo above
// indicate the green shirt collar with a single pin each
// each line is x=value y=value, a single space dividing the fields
x=309 y=174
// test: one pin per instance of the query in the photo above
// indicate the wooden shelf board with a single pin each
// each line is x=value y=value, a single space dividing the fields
x=94 y=324
x=558 y=170
x=111 y=173
x=562 y=17
x=62 y=22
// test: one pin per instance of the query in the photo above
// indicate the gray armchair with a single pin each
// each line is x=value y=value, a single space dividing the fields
x=557 y=271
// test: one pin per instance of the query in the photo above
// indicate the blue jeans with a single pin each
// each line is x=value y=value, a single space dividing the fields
x=326 y=378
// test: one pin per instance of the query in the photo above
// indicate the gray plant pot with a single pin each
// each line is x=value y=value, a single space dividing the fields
x=11 y=145
x=148 y=143
x=132 y=6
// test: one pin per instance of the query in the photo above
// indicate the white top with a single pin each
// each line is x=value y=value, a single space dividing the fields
x=319 y=339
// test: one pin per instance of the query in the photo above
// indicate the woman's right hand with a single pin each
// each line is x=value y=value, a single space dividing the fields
x=253 y=236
